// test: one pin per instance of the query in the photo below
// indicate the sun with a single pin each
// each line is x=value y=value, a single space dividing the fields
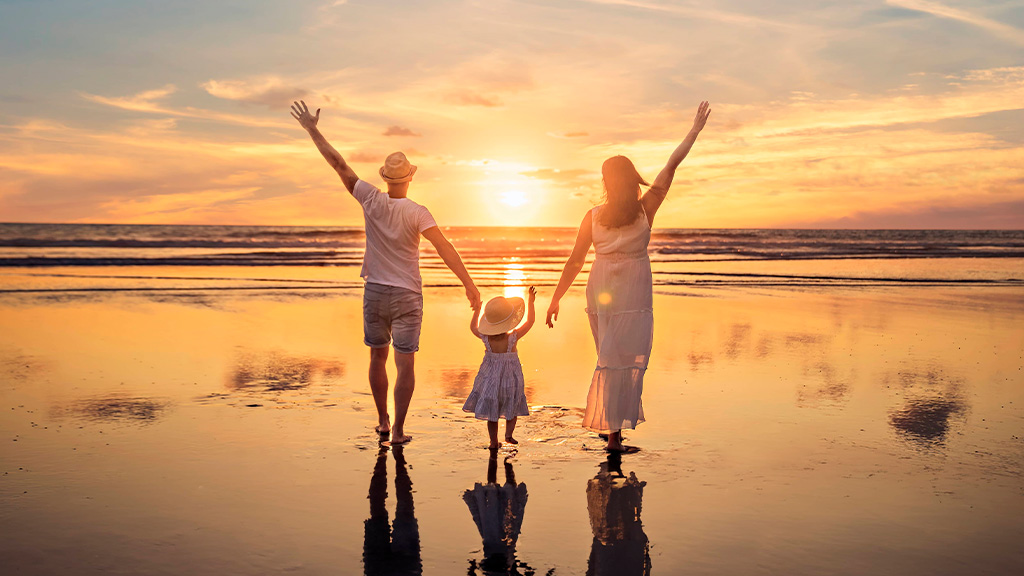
x=513 y=198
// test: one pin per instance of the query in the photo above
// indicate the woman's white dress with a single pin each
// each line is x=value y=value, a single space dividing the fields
x=499 y=390
x=620 y=304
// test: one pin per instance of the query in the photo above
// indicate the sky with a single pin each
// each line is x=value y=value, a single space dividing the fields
x=825 y=114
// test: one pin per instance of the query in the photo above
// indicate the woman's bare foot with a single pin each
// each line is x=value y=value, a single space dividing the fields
x=511 y=440
x=615 y=442
x=494 y=445
x=383 y=428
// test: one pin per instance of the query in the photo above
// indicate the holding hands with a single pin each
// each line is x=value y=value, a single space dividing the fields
x=473 y=295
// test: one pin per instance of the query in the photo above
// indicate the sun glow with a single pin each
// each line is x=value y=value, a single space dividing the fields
x=513 y=198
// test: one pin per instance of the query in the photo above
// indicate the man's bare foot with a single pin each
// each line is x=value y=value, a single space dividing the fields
x=511 y=440
x=399 y=439
x=383 y=428
x=494 y=445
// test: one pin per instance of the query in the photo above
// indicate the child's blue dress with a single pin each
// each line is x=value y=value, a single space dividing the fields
x=499 y=390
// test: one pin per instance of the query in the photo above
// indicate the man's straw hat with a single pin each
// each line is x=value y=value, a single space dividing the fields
x=501 y=315
x=397 y=169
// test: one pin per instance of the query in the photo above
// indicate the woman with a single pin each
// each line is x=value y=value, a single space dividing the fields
x=619 y=290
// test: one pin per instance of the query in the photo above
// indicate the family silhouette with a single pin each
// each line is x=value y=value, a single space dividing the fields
x=620 y=302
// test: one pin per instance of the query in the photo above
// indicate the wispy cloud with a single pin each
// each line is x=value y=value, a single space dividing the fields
x=1004 y=31
x=400 y=131
x=271 y=91
x=695 y=12
x=149 y=102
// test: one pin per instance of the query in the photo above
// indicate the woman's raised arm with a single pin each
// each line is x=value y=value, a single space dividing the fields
x=659 y=190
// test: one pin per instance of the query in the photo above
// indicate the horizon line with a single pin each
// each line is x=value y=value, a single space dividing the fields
x=359 y=227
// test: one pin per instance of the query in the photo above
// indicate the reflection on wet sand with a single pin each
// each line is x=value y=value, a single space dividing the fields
x=391 y=548
x=114 y=408
x=17 y=369
x=933 y=400
x=829 y=391
x=926 y=419
x=276 y=372
x=498 y=514
x=614 y=502
x=457 y=383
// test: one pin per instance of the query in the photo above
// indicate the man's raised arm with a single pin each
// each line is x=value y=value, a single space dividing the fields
x=308 y=121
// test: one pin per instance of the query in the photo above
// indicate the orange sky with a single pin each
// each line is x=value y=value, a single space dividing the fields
x=906 y=113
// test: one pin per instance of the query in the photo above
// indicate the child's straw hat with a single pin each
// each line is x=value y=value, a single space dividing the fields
x=501 y=315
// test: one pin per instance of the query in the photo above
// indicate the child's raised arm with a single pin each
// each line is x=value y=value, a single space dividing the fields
x=473 y=322
x=531 y=315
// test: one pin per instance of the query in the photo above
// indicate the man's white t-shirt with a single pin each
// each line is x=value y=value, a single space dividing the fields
x=393 y=227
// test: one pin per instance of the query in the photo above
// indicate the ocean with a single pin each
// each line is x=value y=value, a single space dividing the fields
x=256 y=257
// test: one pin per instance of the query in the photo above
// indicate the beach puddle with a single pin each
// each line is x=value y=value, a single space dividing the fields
x=115 y=409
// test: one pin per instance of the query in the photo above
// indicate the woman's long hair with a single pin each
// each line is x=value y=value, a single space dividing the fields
x=621 y=192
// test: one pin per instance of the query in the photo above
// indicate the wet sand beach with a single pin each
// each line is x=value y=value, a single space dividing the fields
x=802 y=430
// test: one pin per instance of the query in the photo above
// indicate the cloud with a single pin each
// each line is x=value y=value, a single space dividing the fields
x=1004 y=31
x=695 y=13
x=142 y=102
x=400 y=131
x=147 y=101
x=178 y=205
x=967 y=95
x=568 y=134
x=958 y=216
x=579 y=183
x=469 y=98
x=270 y=91
x=14 y=99
x=365 y=157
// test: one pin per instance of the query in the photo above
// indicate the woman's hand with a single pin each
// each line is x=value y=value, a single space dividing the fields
x=552 y=314
x=703 y=111
x=533 y=294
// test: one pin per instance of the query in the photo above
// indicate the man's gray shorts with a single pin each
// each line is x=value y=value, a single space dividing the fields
x=392 y=312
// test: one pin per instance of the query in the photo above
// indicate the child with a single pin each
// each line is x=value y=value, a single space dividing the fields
x=498 y=391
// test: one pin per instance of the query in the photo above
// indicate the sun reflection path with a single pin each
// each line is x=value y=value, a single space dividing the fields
x=514 y=280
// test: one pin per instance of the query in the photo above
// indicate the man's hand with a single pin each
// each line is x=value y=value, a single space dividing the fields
x=301 y=113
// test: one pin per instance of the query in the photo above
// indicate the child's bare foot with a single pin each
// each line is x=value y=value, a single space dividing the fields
x=511 y=440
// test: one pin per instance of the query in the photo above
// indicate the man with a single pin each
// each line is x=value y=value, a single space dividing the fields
x=392 y=296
